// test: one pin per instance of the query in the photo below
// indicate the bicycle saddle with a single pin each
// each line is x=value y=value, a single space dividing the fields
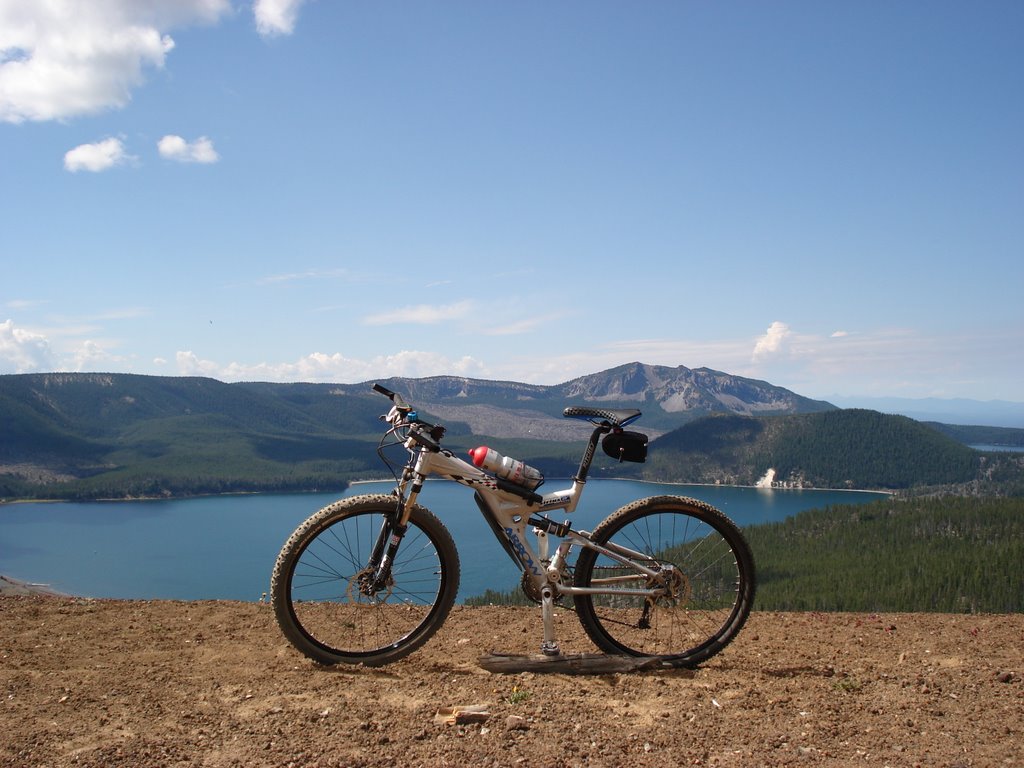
x=616 y=417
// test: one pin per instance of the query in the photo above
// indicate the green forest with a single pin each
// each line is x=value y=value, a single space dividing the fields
x=945 y=554
x=851 y=448
x=949 y=554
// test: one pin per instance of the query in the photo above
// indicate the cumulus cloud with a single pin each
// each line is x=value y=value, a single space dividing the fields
x=176 y=148
x=22 y=351
x=336 y=367
x=422 y=314
x=64 y=58
x=97 y=157
x=91 y=355
x=276 y=17
x=189 y=364
x=773 y=340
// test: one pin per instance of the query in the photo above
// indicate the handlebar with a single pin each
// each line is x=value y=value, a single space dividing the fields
x=401 y=414
x=393 y=396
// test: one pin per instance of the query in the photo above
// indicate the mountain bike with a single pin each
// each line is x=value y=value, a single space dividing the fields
x=369 y=579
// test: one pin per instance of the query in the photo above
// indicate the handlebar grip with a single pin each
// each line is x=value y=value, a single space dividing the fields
x=384 y=391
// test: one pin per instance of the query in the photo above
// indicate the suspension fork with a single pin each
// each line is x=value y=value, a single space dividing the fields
x=383 y=554
x=392 y=531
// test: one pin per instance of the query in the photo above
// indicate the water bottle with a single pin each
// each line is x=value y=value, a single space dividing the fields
x=506 y=468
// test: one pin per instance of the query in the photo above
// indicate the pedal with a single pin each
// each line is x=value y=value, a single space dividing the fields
x=550 y=649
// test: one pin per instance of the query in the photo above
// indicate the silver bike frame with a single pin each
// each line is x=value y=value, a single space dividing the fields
x=510 y=514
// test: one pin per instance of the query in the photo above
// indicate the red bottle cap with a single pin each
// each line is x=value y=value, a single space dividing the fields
x=478 y=455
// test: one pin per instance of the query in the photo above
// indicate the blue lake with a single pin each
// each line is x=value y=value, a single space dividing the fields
x=224 y=547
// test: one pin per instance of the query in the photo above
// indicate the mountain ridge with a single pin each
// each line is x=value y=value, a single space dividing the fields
x=108 y=435
x=668 y=396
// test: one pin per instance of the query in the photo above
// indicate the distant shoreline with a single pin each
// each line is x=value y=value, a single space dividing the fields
x=666 y=482
x=4 y=502
x=11 y=587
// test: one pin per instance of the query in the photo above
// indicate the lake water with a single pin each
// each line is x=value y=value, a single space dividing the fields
x=224 y=547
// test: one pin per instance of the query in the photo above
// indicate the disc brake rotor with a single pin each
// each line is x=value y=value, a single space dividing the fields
x=359 y=589
x=677 y=589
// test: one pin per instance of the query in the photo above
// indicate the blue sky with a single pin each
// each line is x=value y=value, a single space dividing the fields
x=827 y=196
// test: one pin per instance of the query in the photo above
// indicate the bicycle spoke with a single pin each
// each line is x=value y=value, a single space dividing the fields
x=696 y=598
x=338 y=607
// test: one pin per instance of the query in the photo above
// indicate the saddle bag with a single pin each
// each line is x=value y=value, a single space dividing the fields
x=626 y=446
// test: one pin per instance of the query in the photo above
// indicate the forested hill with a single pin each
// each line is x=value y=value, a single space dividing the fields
x=118 y=435
x=850 y=448
x=1003 y=437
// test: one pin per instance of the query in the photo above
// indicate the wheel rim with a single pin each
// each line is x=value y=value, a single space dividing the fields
x=699 y=577
x=330 y=604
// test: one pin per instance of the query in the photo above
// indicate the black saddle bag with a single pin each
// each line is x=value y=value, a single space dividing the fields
x=626 y=446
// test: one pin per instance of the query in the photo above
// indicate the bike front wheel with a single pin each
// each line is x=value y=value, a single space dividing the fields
x=323 y=591
x=698 y=571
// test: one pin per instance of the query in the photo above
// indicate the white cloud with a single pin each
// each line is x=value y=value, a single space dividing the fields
x=320 y=366
x=813 y=364
x=91 y=356
x=23 y=351
x=773 y=340
x=900 y=362
x=276 y=17
x=524 y=325
x=309 y=274
x=97 y=157
x=189 y=364
x=882 y=361
x=65 y=344
x=422 y=314
x=176 y=148
x=24 y=303
x=63 y=58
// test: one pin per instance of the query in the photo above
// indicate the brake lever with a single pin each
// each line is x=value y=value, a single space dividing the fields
x=396 y=415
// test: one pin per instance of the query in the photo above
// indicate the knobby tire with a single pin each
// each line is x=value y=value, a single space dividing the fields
x=316 y=586
x=711 y=575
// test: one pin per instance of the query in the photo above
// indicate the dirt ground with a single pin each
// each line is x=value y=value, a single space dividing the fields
x=161 y=683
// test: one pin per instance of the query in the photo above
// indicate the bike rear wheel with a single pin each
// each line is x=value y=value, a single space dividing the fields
x=705 y=577
x=321 y=587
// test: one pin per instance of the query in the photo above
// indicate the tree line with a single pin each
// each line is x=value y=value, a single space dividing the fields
x=948 y=555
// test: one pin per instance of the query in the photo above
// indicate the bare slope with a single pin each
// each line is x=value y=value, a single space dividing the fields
x=106 y=683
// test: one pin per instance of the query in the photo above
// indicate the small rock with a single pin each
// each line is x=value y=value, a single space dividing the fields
x=516 y=723
x=1005 y=677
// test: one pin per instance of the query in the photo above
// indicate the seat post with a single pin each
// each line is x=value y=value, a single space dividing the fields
x=588 y=455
